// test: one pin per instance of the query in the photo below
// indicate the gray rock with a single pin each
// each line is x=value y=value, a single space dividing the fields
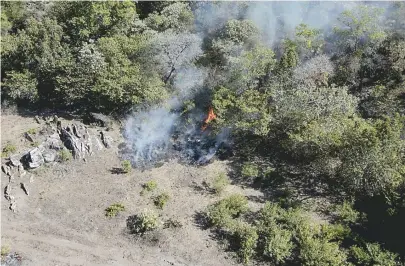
x=53 y=142
x=13 y=205
x=21 y=170
x=15 y=160
x=38 y=119
x=49 y=155
x=7 y=192
x=96 y=143
x=29 y=137
x=6 y=169
x=77 y=139
x=107 y=140
x=34 y=158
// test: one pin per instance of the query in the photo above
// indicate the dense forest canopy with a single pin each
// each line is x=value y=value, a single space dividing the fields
x=314 y=94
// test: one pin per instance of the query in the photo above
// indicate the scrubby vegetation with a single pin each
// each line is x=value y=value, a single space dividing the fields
x=149 y=187
x=316 y=111
x=8 y=149
x=126 y=166
x=290 y=236
x=65 y=155
x=161 y=200
x=140 y=224
x=114 y=209
x=220 y=182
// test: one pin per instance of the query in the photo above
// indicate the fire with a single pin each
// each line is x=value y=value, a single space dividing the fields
x=211 y=116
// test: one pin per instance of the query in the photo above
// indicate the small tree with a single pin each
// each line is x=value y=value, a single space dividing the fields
x=126 y=166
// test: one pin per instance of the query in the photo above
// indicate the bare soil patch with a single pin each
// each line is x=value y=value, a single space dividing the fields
x=62 y=221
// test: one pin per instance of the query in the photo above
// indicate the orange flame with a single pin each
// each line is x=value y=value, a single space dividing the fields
x=211 y=116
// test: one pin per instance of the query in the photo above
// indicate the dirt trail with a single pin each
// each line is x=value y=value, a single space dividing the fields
x=62 y=221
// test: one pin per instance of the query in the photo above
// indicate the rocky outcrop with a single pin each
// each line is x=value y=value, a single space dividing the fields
x=75 y=137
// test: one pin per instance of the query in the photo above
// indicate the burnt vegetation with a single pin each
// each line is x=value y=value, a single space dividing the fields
x=303 y=111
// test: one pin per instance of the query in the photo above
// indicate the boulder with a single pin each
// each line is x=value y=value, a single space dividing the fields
x=21 y=170
x=15 y=160
x=34 y=158
x=107 y=140
x=7 y=192
x=6 y=169
x=49 y=156
x=77 y=139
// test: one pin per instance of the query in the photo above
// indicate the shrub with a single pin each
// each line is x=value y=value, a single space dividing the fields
x=126 y=166
x=5 y=249
x=316 y=251
x=114 y=209
x=161 y=200
x=278 y=243
x=220 y=182
x=65 y=155
x=32 y=131
x=346 y=214
x=222 y=213
x=247 y=238
x=250 y=170
x=8 y=149
x=172 y=223
x=146 y=221
x=371 y=255
x=335 y=231
x=149 y=186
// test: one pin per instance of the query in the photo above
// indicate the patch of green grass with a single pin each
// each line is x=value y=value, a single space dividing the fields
x=220 y=182
x=114 y=209
x=149 y=187
x=161 y=200
x=8 y=149
x=32 y=131
x=65 y=155
x=5 y=249
x=126 y=166
x=34 y=144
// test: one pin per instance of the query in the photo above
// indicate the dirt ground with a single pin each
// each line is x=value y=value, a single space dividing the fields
x=62 y=221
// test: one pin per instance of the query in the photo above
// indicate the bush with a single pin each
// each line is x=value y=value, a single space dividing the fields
x=146 y=221
x=149 y=186
x=222 y=213
x=316 y=251
x=346 y=214
x=250 y=170
x=247 y=238
x=371 y=255
x=161 y=200
x=65 y=155
x=278 y=243
x=114 y=209
x=126 y=166
x=172 y=223
x=32 y=131
x=5 y=250
x=8 y=149
x=220 y=182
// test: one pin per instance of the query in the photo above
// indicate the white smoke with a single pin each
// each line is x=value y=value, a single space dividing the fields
x=154 y=133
